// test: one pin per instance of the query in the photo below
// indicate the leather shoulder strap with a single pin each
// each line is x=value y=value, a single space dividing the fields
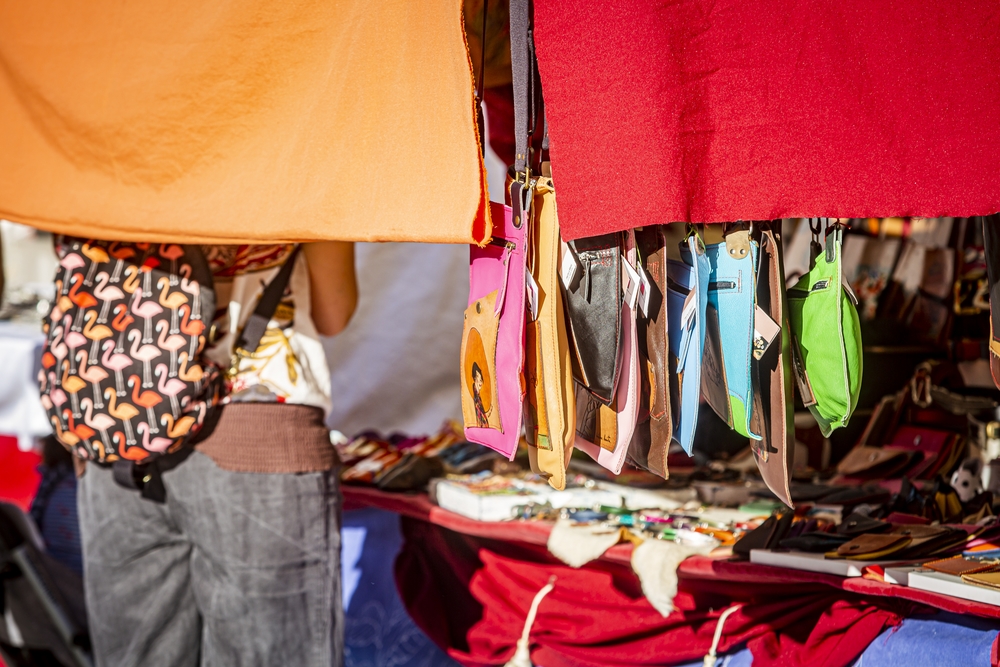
x=257 y=323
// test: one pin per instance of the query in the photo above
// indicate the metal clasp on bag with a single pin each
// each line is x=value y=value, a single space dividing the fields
x=236 y=360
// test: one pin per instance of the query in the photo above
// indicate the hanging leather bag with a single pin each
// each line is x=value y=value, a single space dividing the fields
x=594 y=307
x=687 y=304
x=551 y=405
x=991 y=245
x=773 y=407
x=732 y=299
x=604 y=431
x=826 y=335
x=654 y=430
x=493 y=337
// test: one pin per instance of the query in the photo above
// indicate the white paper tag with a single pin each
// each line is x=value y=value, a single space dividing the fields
x=531 y=293
x=644 y=290
x=570 y=266
x=632 y=289
x=765 y=330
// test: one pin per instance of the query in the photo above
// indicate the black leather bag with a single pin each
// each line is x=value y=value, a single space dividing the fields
x=594 y=305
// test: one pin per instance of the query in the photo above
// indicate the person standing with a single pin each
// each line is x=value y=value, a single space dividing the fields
x=240 y=566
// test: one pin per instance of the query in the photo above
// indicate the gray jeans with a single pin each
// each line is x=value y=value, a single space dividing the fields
x=235 y=569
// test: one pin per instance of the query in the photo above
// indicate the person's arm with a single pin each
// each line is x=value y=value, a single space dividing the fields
x=332 y=283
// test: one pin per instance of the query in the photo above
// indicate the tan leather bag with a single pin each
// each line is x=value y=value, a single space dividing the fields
x=550 y=408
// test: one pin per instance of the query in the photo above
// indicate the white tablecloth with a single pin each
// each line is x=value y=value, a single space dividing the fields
x=21 y=414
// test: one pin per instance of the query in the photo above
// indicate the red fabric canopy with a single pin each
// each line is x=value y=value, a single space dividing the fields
x=717 y=110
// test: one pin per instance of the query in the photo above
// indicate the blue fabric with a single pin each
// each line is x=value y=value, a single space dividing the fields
x=686 y=331
x=378 y=631
x=941 y=640
x=54 y=512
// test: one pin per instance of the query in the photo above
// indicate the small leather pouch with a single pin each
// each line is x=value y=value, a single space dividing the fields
x=732 y=300
x=550 y=412
x=935 y=447
x=872 y=462
x=771 y=372
x=594 y=306
x=959 y=566
x=859 y=524
x=493 y=337
x=928 y=539
x=767 y=535
x=826 y=336
x=651 y=441
x=872 y=547
x=687 y=304
x=989 y=578
x=605 y=431
x=814 y=542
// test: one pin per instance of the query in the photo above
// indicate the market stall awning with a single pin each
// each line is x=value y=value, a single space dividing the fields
x=240 y=120
x=717 y=110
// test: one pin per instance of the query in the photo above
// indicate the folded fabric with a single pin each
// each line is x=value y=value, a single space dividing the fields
x=655 y=562
x=578 y=544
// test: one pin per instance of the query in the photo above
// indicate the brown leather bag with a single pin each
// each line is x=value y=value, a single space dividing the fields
x=772 y=414
x=651 y=439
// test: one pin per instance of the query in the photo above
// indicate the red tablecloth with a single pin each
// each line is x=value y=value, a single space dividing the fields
x=469 y=584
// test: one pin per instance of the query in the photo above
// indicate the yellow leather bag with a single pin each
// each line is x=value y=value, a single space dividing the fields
x=550 y=406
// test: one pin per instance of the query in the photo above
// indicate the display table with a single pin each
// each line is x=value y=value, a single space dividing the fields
x=469 y=584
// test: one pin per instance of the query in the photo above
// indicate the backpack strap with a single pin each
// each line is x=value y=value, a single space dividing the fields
x=256 y=324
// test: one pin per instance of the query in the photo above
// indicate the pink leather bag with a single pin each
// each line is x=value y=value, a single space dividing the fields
x=493 y=337
x=626 y=403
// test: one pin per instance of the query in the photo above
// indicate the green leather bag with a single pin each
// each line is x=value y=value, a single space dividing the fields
x=826 y=334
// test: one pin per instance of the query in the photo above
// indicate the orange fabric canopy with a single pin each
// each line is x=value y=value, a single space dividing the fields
x=240 y=120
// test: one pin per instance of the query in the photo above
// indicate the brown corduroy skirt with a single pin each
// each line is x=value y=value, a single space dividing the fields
x=270 y=438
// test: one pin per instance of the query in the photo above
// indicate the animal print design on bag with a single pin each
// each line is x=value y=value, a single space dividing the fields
x=122 y=373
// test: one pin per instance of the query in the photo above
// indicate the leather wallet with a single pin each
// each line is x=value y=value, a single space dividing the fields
x=772 y=415
x=767 y=535
x=989 y=579
x=594 y=305
x=860 y=524
x=550 y=411
x=934 y=445
x=929 y=540
x=687 y=304
x=615 y=423
x=868 y=462
x=959 y=566
x=732 y=295
x=493 y=338
x=872 y=547
x=654 y=430
x=814 y=542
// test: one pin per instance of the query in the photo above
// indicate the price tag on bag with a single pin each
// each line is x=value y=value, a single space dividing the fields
x=644 y=289
x=531 y=294
x=765 y=330
x=632 y=289
x=569 y=269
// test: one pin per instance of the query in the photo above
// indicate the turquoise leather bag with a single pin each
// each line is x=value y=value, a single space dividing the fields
x=729 y=327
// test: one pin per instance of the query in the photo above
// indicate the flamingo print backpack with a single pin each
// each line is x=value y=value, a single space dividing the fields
x=122 y=375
